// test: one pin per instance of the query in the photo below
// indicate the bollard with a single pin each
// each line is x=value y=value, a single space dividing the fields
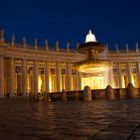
x=63 y=95
x=118 y=92
x=87 y=94
x=131 y=92
x=109 y=93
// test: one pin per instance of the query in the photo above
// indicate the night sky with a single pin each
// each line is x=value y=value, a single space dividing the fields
x=112 y=21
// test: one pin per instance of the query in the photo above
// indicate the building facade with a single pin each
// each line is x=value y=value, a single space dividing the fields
x=25 y=68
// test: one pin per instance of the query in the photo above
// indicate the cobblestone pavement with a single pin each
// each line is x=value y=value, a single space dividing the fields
x=96 y=120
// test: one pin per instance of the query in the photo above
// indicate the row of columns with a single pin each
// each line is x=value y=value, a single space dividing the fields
x=35 y=77
x=128 y=73
x=35 y=81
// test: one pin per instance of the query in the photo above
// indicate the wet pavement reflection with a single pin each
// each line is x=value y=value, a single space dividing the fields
x=100 y=119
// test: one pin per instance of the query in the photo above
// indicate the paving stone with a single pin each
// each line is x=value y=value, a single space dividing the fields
x=125 y=125
x=110 y=137
x=100 y=119
x=135 y=137
x=137 y=132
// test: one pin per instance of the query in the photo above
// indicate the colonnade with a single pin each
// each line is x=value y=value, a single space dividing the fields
x=128 y=73
x=11 y=76
x=68 y=75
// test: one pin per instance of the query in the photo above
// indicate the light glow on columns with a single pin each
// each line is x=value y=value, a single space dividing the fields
x=133 y=81
x=39 y=83
x=95 y=82
x=50 y=84
x=123 y=84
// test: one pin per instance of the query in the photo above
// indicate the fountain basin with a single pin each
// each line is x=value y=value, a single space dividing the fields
x=92 y=66
x=85 y=47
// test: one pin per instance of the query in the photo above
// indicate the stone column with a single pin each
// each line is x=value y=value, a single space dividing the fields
x=68 y=75
x=46 y=77
x=78 y=81
x=35 y=76
x=24 y=77
x=1 y=75
x=57 y=77
x=110 y=75
x=120 y=75
x=129 y=73
x=12 y=76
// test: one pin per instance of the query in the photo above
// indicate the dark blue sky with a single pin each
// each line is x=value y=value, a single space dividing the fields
x=112 y=21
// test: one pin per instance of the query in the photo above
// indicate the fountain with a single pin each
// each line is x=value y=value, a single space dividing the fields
x=95 y=71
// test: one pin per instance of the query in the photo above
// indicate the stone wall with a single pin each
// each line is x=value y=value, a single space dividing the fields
x=118 y=93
